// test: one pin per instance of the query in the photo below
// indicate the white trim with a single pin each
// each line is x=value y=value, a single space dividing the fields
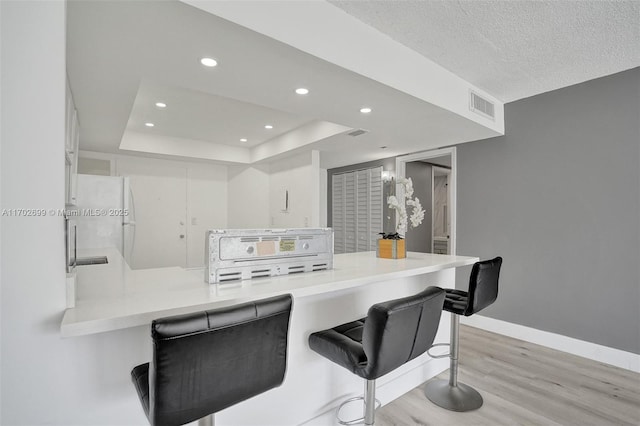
x=447 y=172
x=433 y=203
x=593 y=351
x=425 y=155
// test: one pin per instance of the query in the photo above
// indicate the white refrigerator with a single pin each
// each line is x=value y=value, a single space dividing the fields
x=106 y=214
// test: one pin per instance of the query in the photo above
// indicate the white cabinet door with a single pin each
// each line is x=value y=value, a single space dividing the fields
x=72 y=141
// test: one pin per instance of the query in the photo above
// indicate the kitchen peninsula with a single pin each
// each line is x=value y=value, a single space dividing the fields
x=113 y=297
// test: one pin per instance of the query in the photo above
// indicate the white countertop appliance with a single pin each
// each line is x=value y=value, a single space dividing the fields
x=240 y=254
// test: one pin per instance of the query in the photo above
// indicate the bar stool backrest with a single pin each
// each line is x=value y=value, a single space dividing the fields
x=207 y=361
x=397 y=331
x=483 y=285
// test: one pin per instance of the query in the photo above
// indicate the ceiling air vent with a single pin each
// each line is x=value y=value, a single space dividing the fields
x=481 y=106
x=357 y=132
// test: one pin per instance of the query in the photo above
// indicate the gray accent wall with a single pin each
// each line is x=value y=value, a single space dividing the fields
x=419 y=239
x=558 y=197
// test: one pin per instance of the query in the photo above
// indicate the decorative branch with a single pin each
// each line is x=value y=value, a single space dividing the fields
x=417 y=212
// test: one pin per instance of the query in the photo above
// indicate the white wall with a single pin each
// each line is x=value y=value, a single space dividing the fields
x=256 y=194
x=238 y=196
x=1 y=138
x=47 y=379
x=299 y=175
x=207 y=195
x=38 y=374
x=248 y=197
x=205 y=198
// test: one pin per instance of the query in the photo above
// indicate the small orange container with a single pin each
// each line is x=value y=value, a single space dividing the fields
x=391 y=249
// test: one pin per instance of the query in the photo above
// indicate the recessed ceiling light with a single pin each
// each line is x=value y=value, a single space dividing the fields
x=302 y=91
x=149 y=124
x=268 y=126
x=365 y=110
x=208 y=62
x=243 y=140
x=161 y=105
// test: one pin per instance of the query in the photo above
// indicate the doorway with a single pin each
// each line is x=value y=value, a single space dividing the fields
x=437 y=174
x=440 y=220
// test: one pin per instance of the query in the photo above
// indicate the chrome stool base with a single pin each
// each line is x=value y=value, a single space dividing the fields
x=455 y=398
x=450 y=394
x=358 y=421
x=371 y=403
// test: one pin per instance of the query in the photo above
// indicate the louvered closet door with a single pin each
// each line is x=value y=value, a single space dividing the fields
x=337 y=212
x=362 y=203
x=376 y=201
x=350 y=216
x=357 y=210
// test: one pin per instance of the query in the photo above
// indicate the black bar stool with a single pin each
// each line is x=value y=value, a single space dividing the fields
x=483 y=291
x=207 y=361
x=392 y=334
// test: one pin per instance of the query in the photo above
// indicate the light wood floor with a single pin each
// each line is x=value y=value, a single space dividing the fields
x=526 y=384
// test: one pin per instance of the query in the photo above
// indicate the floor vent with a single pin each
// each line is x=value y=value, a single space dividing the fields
x=481 y=106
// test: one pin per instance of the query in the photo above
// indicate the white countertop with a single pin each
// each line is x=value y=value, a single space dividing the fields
x=113 y=296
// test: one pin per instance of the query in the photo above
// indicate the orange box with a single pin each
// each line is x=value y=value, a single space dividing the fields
x=391 y=249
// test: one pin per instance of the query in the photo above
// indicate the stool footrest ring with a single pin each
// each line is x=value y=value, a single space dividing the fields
x=441 y=355
x=354 y=421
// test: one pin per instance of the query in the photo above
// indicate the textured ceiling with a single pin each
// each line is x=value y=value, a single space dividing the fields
x=513 y=49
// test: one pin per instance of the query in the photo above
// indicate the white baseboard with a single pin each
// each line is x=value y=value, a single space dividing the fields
x=605 y=354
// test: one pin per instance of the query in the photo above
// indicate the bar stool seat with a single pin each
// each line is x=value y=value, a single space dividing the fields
x=207 y=361
x=392 y=334
x=483 y=291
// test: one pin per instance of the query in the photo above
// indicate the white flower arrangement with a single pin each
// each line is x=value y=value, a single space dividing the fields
x=417 y=212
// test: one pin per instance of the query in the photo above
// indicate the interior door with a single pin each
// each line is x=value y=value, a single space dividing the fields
x=160 y=197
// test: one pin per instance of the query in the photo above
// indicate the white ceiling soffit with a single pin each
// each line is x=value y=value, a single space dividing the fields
x=301 y=139
x=513 y=49
x=206 y=117
x=115 y=48
x=327 y=32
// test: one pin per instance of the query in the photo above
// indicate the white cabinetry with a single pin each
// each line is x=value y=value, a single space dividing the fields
x=72 y=139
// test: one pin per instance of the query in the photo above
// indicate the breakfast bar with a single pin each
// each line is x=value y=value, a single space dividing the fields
x=111 y=297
